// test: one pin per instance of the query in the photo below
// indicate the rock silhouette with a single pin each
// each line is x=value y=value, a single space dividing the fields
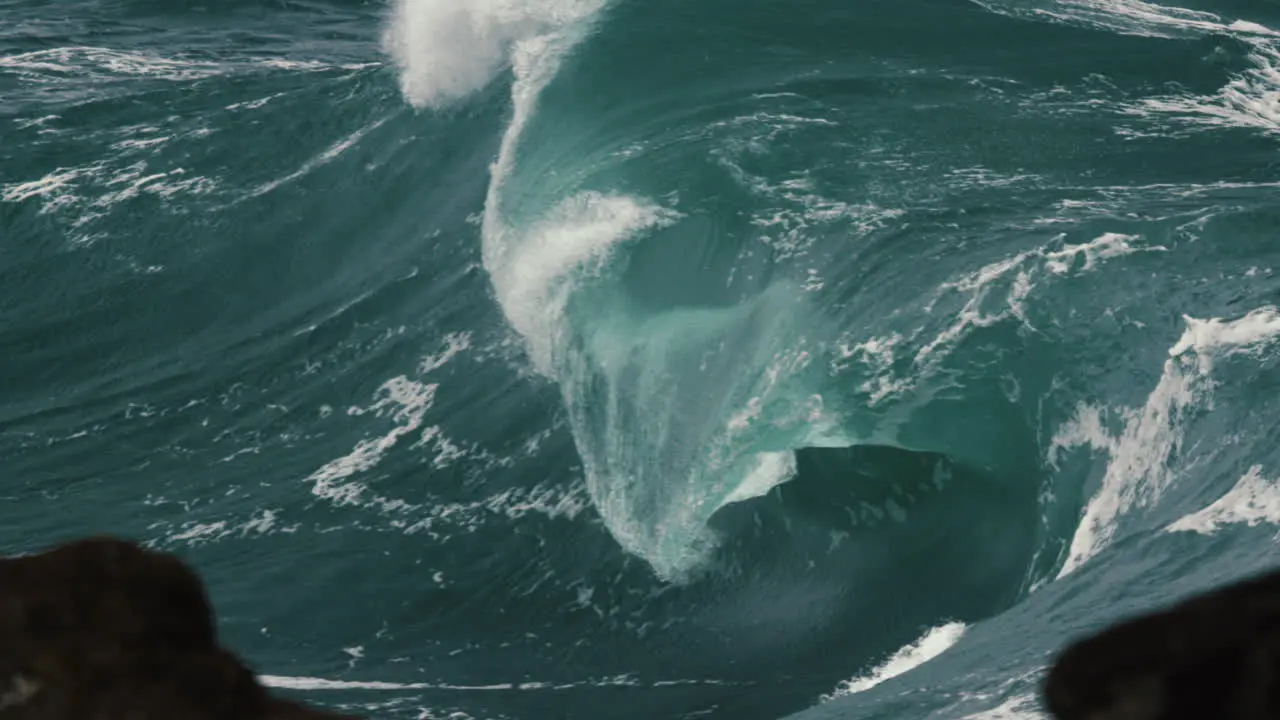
x=104 y=629
x=1216 y=655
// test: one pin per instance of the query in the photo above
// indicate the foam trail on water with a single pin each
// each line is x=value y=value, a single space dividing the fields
x=1253 y=500
x=930 y=645
x=312 y=683
x=1135 y=17
x=1250 y=100
x=1021 y=707
x=1140 y=466
x=290 y=682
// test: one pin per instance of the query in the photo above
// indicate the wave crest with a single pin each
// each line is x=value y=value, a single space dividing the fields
x=446 y=50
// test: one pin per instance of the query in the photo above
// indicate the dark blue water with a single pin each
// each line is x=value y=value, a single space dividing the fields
x=573 y=359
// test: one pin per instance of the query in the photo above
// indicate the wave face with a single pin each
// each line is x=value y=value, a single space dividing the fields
x=724 y=358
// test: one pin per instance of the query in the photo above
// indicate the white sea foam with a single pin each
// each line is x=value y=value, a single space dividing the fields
x=1254 y=500
x=1016 y=277
x=769 y=471
x=1020 y=707
x=324 y=158
x=1229 y=337
x=407 y=401
x=141 y=143
x=132 y=181
x=1137 y=16
x=877 y=355
x=794 y=214
x=52 y=184
x=1107 y=245
x=977 y=286
x=930 y=645
x=89 y=62
x=446 y=49
x=1134 y=17
x=65 y=189
x=550 y=502
x=105 y=61
x=455 y=344
x=262 y=522
x=315 y=683
x=534 y=273
x=1142 y=457
x=1250 y=100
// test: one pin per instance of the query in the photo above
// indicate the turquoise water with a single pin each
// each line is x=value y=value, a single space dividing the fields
x=584 y=359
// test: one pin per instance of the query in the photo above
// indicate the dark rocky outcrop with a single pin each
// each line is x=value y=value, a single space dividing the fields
x=1216 y=655
x=104 y=629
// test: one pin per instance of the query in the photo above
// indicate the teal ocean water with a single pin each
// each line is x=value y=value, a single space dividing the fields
x=525 y=359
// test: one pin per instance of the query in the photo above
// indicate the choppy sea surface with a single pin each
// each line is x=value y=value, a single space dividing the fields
x=525 y=359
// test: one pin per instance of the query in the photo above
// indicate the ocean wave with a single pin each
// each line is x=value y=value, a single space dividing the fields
x=995 y=293
x=780 y=353
x=1251 y=100
x=1142 y=457
x=1253 y=500
x=537 y=258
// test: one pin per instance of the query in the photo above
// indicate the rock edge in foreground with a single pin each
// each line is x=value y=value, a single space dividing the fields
x=1215 y=655
x=104 y=629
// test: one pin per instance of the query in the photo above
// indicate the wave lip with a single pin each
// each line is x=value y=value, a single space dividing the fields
x=534 y=271
x=930 y=645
